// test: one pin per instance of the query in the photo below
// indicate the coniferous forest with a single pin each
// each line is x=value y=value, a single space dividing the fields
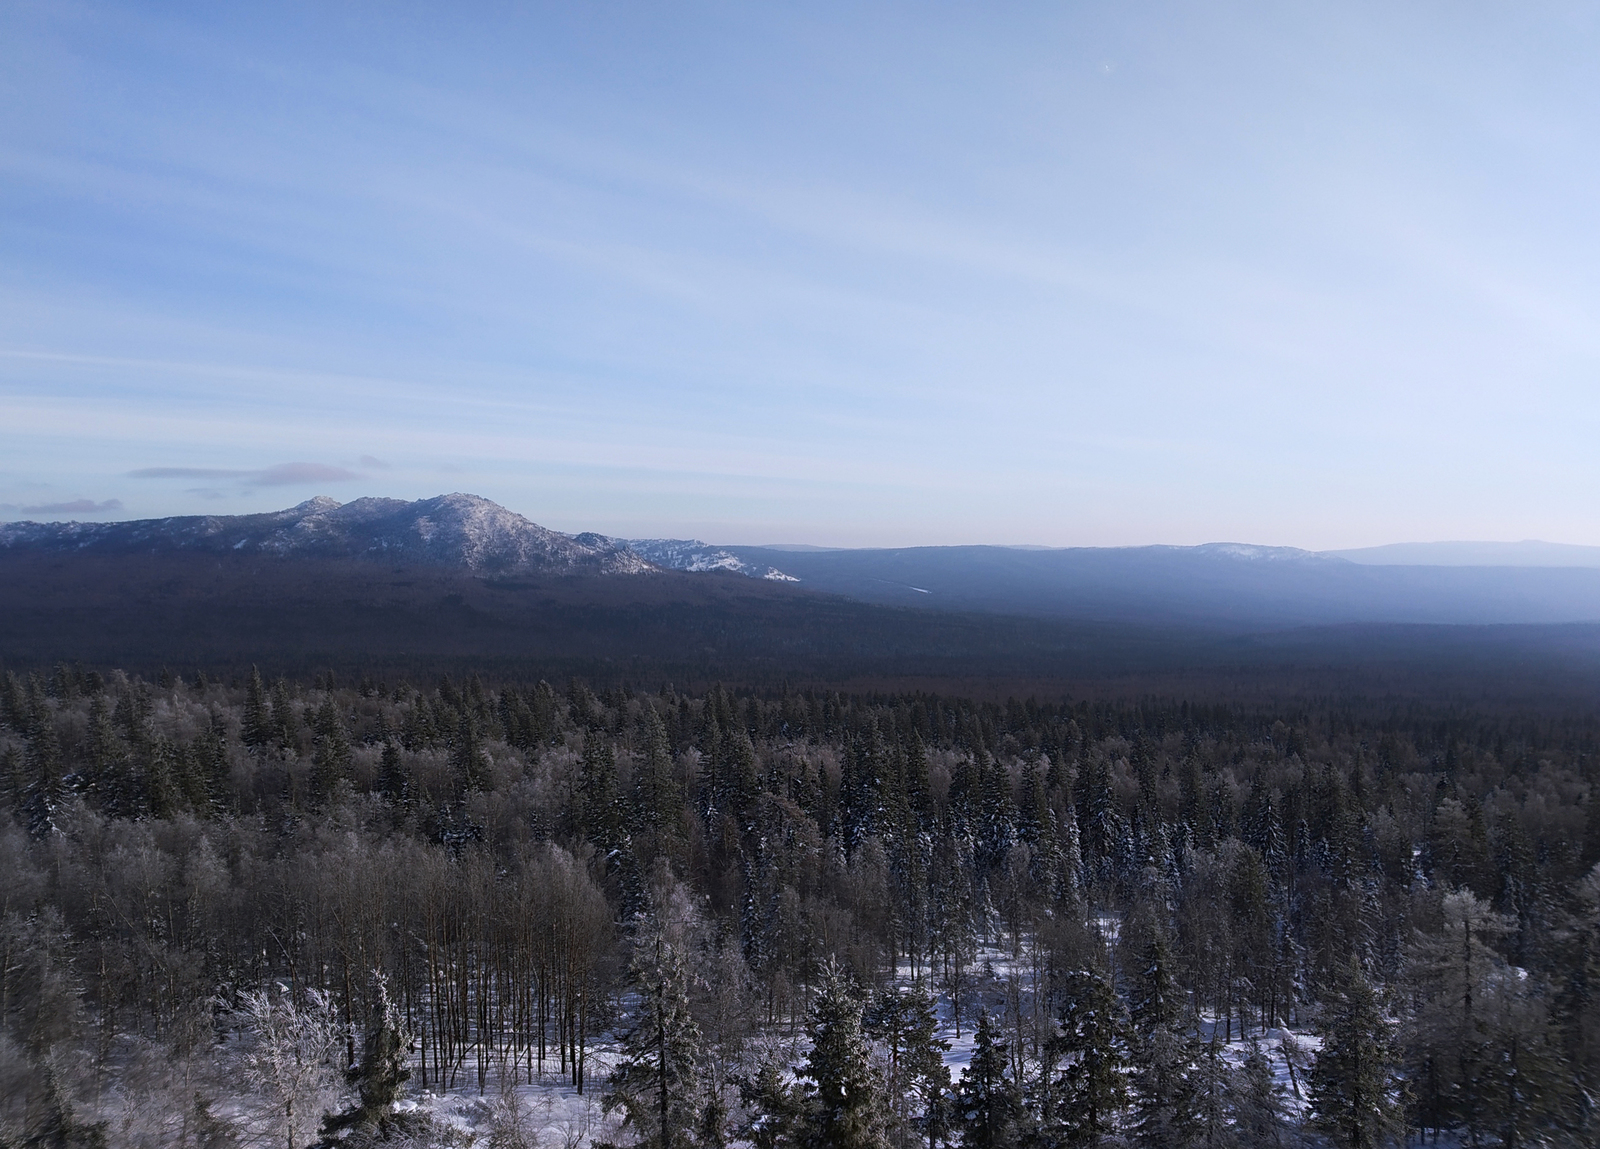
x=255 y=911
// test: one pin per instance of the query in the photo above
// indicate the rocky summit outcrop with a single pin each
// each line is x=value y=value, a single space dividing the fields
x=458 y=530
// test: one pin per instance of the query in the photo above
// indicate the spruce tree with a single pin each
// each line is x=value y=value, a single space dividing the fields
x=845 y=1104
x=914 y=776
x=657 y=1080
x=330 y=763
x=104 y=749
x=13 y=702
x=988 y=1102
x=600 y=803
x=1250 y=927
x=1164 y=1102
x=47 y=788
x=710 y=743
x=471 y=765
x=1210 y=1081
x=1352 y=1079
x=257 y=727
x=777 y=1109
x=164 y=769
x=285 y=724
x=1577 y=1005
x=394 y=781
x=1256 y=1103
x=657 y=797
x=382 y=1070
x=738 y=783
x=210 y=750
x=1091 y=1090
x=57 y=1126
x=922 y=1068
x=1069 y=863
x=14 y=778
x=885 y=1021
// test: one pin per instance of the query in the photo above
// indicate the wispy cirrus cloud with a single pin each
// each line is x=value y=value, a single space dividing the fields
x=278 y=475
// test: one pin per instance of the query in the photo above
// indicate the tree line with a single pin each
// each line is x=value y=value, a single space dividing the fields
x=773 y=911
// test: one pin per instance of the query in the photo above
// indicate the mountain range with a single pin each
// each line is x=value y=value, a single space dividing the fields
x=1221 y=584
x=458 y=578
x=1528 y=553
x=457 y=530
x=1231 y=585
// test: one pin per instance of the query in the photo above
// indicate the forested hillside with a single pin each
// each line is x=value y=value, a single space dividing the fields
x=255 y=911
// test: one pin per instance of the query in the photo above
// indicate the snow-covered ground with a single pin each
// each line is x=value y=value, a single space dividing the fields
x=995 y=966
x=547 y=1113
x=550 y=1112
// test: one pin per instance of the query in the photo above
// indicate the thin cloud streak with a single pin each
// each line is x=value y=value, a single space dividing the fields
x=278 y=475
x=1259 y=273
x=74 y=507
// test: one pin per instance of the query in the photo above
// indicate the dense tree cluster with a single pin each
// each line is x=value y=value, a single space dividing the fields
x=773 y=908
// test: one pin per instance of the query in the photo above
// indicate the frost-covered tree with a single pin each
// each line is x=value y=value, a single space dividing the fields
x=289 y=1058
x=1577 y=1005
x=383 y=1068
x=1449 y=1046
x=1482 y=1052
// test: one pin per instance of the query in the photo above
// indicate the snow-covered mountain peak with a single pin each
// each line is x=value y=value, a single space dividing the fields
x=450 y=530
x=694 y=555
x=1252 y=552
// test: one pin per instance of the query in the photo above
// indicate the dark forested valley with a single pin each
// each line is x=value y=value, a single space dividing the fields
x=265 y=911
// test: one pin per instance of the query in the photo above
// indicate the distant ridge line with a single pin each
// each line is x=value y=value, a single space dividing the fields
x=1527 y=553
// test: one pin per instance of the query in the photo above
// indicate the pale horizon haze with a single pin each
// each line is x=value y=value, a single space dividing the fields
x=1318 y=275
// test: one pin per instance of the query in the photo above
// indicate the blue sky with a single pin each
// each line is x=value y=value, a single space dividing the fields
x=1321 y=275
